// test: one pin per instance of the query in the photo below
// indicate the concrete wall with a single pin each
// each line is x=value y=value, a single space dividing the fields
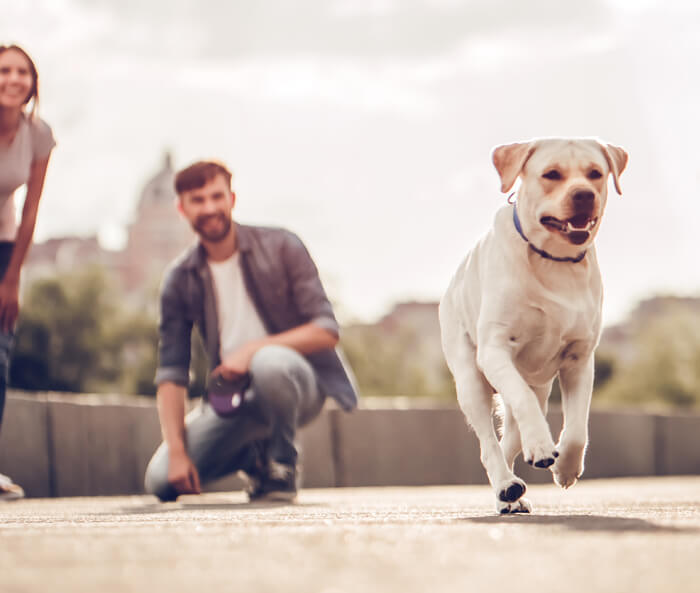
x=77 y=445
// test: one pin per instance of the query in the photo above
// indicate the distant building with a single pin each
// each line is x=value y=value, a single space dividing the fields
x=64 y=254
x=422 y=317
x=156 y=236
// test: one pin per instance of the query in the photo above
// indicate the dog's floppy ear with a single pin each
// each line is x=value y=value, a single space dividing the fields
x=617 y=161
x=509 y=160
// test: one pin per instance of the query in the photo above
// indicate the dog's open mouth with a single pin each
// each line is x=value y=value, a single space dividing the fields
x=577 y=228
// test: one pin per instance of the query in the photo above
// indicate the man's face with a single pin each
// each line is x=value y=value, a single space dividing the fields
x=208 y=209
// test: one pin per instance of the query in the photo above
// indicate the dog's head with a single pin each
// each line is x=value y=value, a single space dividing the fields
x=563 y=188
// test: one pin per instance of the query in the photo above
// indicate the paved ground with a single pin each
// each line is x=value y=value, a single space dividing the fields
x=625 y=535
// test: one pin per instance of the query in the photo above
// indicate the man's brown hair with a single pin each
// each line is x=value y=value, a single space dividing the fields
x=199 y=174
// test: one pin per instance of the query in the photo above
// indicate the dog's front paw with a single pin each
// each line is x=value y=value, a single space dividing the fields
x=511 y=490
x=541 y=455
x=521 y=505
x=569 y=466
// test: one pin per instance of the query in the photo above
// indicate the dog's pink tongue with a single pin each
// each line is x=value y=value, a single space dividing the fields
x=578 y=237
x=579 y=221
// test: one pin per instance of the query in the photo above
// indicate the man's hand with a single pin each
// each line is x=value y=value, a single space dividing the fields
x=183 y=475
x=9 y=304
x=305 y=338
x=237 y=363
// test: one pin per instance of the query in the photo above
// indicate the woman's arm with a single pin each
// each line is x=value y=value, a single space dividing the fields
x=9 y=287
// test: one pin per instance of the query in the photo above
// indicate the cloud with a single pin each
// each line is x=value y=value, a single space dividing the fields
x=369 y=119
x=378 y=28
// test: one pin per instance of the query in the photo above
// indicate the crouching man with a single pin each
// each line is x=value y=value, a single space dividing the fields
x=270 y=334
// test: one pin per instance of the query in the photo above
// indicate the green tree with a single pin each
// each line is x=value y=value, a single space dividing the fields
x=392 y=363
x=76 y=333
x=62 y=339
x=664 y=365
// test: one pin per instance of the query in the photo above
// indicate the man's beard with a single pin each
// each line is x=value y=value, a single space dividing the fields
x=215 y=235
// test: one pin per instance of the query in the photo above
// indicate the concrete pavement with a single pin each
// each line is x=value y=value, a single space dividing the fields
x=631 y=534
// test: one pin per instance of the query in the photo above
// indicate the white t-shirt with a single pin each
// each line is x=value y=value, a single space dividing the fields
x=239 y=321
x=33 y=141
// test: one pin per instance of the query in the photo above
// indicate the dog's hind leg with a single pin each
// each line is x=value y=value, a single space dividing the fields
x=475 y=397
x=511 y=446
x=510 y=437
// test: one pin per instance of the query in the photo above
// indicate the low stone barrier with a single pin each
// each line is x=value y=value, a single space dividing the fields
x=86 y=445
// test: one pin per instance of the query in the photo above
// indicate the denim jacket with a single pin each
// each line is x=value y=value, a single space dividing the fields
x=283 y=283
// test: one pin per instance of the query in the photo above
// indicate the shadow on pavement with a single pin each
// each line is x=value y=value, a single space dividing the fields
x=587 y=523
x=173 y=507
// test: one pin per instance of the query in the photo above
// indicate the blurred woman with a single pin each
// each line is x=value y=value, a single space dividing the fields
x=26 y=142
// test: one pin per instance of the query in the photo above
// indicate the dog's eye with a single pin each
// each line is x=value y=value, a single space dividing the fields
x=594 y=174
x=553 y=174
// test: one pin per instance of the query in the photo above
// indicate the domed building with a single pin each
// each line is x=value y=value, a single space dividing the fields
x=157 y=234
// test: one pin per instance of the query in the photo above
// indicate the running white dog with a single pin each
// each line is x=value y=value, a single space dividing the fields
x=525 y=306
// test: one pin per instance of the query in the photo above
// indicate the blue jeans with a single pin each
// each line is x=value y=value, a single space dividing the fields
x=285 y=397
x=6 y=339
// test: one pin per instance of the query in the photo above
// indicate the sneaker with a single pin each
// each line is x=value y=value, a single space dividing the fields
x=9 y=490
x=277 y=484
x=256 y=469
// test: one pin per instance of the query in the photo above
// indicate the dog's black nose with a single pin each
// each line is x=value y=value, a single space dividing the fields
x=583 y=198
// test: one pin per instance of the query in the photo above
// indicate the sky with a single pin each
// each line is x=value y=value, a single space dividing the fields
x=366 y=126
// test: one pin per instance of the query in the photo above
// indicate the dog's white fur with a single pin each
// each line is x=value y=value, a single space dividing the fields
x=512 y=320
